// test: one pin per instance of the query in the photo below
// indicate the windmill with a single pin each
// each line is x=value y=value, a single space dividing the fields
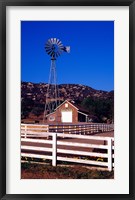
x=54 y=48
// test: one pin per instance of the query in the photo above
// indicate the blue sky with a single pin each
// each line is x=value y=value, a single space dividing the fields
x=90 y=62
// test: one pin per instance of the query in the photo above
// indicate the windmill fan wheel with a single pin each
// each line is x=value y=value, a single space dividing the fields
x=54 y=47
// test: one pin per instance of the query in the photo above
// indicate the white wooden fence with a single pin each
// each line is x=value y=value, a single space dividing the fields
x=33 y=129
x=35 y=145
x=83 y=129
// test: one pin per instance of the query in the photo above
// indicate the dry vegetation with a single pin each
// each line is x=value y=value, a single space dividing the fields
x=38 y=171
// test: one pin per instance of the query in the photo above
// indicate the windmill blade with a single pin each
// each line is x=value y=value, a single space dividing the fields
x=59 y=43
x=57 y=53
x=52 y=53
x=48 y=45
x=60 y=46
x=54 y=40
x=48 y=42
x=55 y=48
x=48 y=49
x=49 y=52
x=51 y=40
x=57 y=40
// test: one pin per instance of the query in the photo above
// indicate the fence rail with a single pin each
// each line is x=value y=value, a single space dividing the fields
x=28 y=130
x=91 y=150
x=83 y=129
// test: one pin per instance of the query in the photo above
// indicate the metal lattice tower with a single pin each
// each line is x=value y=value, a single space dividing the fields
x=54 y=48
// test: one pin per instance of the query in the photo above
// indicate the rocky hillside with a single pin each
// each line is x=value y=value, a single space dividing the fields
x=33 y=95
x=37 y=92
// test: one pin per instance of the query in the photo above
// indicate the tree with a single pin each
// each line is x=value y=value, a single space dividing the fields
x=103 y=109
x=26 y=107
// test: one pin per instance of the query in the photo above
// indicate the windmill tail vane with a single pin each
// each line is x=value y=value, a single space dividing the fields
x=66 y=49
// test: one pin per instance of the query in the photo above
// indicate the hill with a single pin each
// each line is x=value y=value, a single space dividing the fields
x=33 y=97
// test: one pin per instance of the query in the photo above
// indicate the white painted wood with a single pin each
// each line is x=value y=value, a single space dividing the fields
x=34 y=128
x=36 y=140
x=78 y=136
x=35 y=136
x=82 y=145
x=35 y=133
x=40 y=134
x=84 y=136
x=110 y=154
x=89 y=128
x=42 y=125
x=25 y=131
x=54 y=150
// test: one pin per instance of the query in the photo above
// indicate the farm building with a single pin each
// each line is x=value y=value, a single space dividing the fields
x=68 y=112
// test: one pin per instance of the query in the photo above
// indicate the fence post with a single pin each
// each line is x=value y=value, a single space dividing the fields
x=47 y=130
x=91 y=128
x=56 y=130
x=25 y=132
x=54 y=149
x=84 y=129
x=63 y=130
x=79 y=130
x=69 y=129
x=109 y=154
x=88 y=129
x=97 y=128
x=75 y=129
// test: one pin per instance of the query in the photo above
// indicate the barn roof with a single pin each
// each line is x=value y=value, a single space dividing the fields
x=78 y=108
x=67 y=102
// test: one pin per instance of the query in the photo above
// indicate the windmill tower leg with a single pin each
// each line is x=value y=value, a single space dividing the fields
x=52 y=91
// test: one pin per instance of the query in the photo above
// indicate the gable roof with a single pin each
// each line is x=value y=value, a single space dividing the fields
x=67 y=102
x=83 y=113
x=78 y=108
x=81 y=109
x=50 y=113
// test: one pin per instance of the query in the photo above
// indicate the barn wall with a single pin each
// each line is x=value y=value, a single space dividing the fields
x=57 y=113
